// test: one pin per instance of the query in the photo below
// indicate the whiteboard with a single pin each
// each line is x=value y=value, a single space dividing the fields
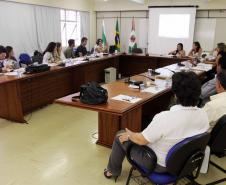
x=205 y=33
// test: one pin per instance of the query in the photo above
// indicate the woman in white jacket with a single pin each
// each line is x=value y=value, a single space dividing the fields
x=49 y=53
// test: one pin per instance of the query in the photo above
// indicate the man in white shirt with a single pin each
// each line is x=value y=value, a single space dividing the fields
x=166 y=129
x=216 y=108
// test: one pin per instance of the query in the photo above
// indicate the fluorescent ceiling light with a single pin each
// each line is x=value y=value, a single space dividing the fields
x=138 y=1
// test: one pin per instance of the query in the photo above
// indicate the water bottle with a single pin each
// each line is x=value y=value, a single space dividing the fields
x=149 y=72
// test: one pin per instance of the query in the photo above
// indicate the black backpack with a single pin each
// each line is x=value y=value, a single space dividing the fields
x=92 y=93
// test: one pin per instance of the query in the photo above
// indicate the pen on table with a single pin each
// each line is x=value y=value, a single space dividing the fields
x=126 y=100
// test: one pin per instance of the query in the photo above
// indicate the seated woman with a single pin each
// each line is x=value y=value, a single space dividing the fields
x=11 y=61
x=179 y=52
x=99 y=47
x=59 y=52
x=196 y=50
x=49 y=53
x=218 y=51
x=166 y=129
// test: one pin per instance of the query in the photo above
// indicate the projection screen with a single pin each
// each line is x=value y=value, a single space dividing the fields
x=169 y=26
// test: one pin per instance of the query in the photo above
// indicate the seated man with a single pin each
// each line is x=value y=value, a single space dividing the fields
x=69 y=52
x=216 y=108
x=81 y=50
x=166 y=129
x=209 y=88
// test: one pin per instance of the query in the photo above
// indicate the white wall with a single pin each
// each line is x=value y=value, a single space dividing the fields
x=127 y=5
x=209 y=30
x=116 y=5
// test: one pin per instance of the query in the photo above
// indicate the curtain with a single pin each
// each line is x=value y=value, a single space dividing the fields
x=18 y=28
x=47 y=25
x=31 y=27
x=28 y=27
x=85 y=26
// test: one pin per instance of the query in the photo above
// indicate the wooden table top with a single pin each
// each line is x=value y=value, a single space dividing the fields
x=8 y=78
x=117 y=88
x=113 y=106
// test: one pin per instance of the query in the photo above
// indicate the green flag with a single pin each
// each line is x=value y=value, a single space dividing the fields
x=132 y=39
x=117 y=37
x=104 y=38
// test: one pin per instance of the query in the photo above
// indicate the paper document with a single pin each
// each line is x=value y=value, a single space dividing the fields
x=52 y=64
x=153 y=89
x=78 y=59
x=126 y=98
x=165 y=72
x=14 y=73
x=203 y=67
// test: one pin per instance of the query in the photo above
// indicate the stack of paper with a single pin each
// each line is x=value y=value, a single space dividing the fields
x=203 y=67
x=126 y=98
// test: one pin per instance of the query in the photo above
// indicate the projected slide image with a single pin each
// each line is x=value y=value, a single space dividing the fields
x=174 y=25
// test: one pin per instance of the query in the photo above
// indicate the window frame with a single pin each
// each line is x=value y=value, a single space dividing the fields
x=64 y=20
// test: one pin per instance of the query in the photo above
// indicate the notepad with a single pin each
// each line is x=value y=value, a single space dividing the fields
x=126 y=98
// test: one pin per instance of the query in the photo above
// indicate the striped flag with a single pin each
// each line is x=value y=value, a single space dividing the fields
x=132 y=39
x=104 y=38
x=117 y=37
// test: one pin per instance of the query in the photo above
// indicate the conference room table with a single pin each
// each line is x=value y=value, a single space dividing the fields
x=118 y=114
x=24 y=93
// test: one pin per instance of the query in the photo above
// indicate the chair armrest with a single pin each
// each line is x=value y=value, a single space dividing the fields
x=148 y=154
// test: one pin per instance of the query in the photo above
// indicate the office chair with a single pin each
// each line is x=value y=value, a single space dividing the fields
x=137 y=51
x=24 y=60
x=37 y=57
x=182 y=160
x=112 y=49
x=92 y=51
x=217 y=144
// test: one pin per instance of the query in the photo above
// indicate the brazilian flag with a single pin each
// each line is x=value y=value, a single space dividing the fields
x=117 y=37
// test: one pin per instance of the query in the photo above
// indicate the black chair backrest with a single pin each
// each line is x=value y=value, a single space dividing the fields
x=38 y=59
x=137 y=51
x=217 y=141
x=112 y=49
x=92 y=51
x=186 y=156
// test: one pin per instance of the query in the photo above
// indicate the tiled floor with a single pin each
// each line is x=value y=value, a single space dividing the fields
x=57 y=148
